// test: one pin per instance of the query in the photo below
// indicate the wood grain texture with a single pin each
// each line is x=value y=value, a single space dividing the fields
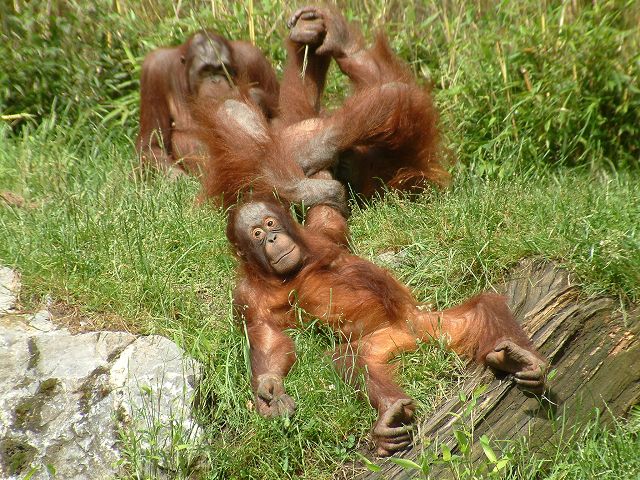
x=592 y=346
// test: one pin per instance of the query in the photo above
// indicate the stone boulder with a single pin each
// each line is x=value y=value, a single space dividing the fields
x=67 y=400
x=9 y=286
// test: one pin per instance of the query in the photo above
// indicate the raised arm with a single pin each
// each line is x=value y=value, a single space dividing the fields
x=306 y=70
x=387 y=111
x=388 y=115
x=335 y=37
x=372 y=66
x=329 y=222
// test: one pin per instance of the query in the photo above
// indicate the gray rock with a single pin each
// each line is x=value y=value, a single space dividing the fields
x=64 y=399
x=392 y=259
x=9 y=286
x=42 y=321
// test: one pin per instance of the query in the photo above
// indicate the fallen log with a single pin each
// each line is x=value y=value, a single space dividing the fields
x=594 y=350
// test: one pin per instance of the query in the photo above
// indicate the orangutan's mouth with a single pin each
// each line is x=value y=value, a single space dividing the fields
x=284 y=255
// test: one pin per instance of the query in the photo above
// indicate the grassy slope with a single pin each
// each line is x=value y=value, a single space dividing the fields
x=97 y=240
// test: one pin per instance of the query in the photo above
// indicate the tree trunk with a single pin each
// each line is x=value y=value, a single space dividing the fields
x=593 y=347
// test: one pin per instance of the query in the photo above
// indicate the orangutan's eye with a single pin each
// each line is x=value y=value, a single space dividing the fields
x=257 y=233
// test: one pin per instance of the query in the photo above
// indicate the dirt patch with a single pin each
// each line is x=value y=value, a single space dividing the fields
x=71 y=318
x=14 y=200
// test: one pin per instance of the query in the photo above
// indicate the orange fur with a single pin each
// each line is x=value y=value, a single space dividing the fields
x=389 y=134
x=384 y=133
x=239 y=162
x=373 y=315
x=167 y=137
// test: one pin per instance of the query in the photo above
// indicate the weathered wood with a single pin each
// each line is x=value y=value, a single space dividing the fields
x=593 y=348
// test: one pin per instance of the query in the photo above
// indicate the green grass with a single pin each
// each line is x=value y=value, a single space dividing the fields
x=98 y=239
x=519 y=84
x=547 y=168
x=468 y=237
x=593 y=451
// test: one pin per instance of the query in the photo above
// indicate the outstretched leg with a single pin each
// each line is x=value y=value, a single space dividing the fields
x=368 y=357
x=484 y=329
x=481 y=328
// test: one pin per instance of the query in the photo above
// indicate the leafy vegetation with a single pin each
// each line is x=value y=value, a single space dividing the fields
x=539 y=104
x=519 y=83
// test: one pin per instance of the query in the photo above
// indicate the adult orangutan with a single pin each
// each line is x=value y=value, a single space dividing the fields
x=372 y=314
x=397 y=144
x=205 y=65
x=385 y=131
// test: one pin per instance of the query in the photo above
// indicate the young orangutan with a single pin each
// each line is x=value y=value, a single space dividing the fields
x=374 y=316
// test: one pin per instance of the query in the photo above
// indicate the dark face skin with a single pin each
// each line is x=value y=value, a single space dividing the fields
x=208 y=62
x=268 y=238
